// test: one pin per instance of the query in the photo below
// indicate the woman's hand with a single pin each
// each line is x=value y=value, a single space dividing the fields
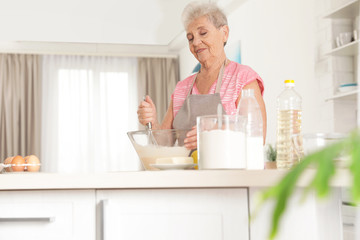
x=191 y=139
x=147 y=112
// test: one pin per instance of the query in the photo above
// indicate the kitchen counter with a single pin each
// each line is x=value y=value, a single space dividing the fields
x=218 y=202
x=158 y=179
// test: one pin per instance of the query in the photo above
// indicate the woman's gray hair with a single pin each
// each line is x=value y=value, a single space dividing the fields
x=195 y=10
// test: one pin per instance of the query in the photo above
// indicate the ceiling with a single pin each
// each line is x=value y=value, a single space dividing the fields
x=135 y=22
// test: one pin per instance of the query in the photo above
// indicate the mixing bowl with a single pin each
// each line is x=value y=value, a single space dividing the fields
x=316 y=141
x=312 y=142
x=165 y=143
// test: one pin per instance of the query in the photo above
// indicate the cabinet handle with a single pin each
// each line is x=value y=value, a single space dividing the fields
x=27 y=219
x=348 y=204
x=349 y=224
x=103 y=204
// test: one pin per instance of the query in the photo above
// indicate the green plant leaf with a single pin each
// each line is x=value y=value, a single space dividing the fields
x=355 y=165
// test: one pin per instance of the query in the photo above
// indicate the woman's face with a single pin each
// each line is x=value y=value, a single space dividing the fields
x=206 y=42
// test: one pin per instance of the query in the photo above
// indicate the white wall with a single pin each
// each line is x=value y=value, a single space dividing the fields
x=278 y=42
x=149 y=22
x=187 y=62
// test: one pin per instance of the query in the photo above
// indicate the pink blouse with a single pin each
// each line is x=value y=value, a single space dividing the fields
x=235 y=77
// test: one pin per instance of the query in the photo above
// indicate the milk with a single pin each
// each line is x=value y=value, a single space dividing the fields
x=222 y=149
x=254 y=153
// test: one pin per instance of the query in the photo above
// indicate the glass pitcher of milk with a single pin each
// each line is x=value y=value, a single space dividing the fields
x=221 y=142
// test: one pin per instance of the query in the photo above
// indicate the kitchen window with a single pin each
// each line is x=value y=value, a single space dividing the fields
x=88 y=105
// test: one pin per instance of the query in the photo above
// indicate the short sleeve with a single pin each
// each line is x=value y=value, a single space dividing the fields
x=252 y=76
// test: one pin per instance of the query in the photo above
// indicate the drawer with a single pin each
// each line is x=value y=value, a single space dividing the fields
x=350 y=211
x=37 y=220
x=47 y=215
x=350 y=221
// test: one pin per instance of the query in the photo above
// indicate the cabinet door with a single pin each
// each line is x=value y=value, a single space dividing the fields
x=307 y=218
x=47 y=215
x=190 y=214
x=350 y=220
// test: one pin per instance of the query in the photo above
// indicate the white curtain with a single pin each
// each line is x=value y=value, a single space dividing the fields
x=88 y=106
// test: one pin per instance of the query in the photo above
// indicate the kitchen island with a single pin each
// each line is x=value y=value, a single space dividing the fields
x=177 y=204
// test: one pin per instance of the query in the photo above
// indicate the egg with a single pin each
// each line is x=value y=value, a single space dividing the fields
x=8 y=161
x=18 y=164
x=33 y=163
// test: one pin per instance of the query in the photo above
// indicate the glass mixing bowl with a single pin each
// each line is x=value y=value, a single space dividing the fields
x=315 y=141
x=164 y=143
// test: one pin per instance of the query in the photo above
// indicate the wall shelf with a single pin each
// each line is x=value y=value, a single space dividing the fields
x=349 y=10
x=350 y=49
x=351 y=95
x=343 y=105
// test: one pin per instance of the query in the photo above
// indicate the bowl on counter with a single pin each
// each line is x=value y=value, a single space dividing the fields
x=160 y=147
x=313 y=142
x=316 y=141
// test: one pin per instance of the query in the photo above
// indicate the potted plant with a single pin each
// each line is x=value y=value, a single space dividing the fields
x=323 y=162
x=271 y=157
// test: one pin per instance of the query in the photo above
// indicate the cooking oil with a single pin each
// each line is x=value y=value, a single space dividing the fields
x=288 y=137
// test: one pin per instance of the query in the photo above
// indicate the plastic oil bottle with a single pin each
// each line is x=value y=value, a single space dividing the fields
x=288 y=127
x=250 y=110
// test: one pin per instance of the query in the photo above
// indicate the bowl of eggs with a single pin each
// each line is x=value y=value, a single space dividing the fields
x=18 y=163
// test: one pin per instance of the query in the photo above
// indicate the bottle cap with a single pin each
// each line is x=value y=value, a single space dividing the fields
x=289 y=83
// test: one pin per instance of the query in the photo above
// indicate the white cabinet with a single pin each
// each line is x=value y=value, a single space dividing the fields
x=350 y=214
x=44 y=215
x=190 y=214
x=350 y=221
x=307 y=218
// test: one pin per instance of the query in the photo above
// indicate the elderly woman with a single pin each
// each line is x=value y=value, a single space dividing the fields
x=218 y=81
